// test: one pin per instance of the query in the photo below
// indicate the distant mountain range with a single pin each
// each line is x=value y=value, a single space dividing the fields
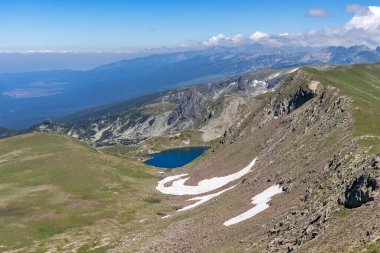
x=27 y=98
x=214 y=108
x=343 y=55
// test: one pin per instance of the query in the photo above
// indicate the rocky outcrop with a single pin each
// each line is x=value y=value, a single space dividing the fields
x=301 y=96
x=376 y=162
x=189 y=109
x=296 y=91
x=360 y=191
x=295 y=100
x=227 y=115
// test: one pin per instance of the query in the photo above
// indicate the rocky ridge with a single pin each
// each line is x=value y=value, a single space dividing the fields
x=212 y=108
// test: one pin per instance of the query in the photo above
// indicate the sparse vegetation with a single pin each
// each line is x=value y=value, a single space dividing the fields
x=370 y=247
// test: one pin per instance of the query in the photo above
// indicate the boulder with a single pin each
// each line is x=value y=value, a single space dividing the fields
x=360 y=191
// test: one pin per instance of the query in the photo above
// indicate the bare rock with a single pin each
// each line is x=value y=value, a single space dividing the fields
x=376 y=162
x=360 y=191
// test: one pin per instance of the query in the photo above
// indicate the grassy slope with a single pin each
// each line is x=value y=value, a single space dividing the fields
x=369 y=247
x=51 y=183
x=362 y=84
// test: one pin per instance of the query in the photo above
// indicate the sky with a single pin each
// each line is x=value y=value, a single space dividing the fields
x=115 y=25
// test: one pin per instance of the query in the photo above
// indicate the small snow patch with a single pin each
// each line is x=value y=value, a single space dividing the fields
x=261 y=83
x=293 y=70
x=203 y=199
x=273 y=76
x=260 y=200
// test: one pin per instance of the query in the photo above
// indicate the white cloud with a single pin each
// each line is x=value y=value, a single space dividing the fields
x=318 y=12
x=238 y=38
x=215 y=40
x=222 y=39
x=258 y=35
x=362 y=29
x=368 y=21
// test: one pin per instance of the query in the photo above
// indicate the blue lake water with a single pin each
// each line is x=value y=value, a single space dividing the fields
x=174 y=158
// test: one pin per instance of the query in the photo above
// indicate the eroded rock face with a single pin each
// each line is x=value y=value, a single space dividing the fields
x=228 y=115
x=300 y=97
x=376 y=162
x=360 y=191
x=190 y=107
x=292 y=97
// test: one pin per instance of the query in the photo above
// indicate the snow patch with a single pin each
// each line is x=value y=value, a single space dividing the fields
x=292 y=71
x=258 y=82
x=203 y=199
x=272 y=76
x=222 y=91
x=260 y=200
x=99 y=133
x=178 y=186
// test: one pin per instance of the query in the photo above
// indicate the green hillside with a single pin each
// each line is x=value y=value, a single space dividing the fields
x=362 y=84
x=51 y=183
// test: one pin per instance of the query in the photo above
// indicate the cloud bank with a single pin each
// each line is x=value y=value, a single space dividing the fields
x=362 y=29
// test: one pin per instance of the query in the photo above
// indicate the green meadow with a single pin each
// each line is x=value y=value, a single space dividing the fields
x=50 y=184
x=361 y=83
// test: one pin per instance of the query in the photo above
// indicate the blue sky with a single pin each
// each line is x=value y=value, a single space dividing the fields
x=113 y=25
